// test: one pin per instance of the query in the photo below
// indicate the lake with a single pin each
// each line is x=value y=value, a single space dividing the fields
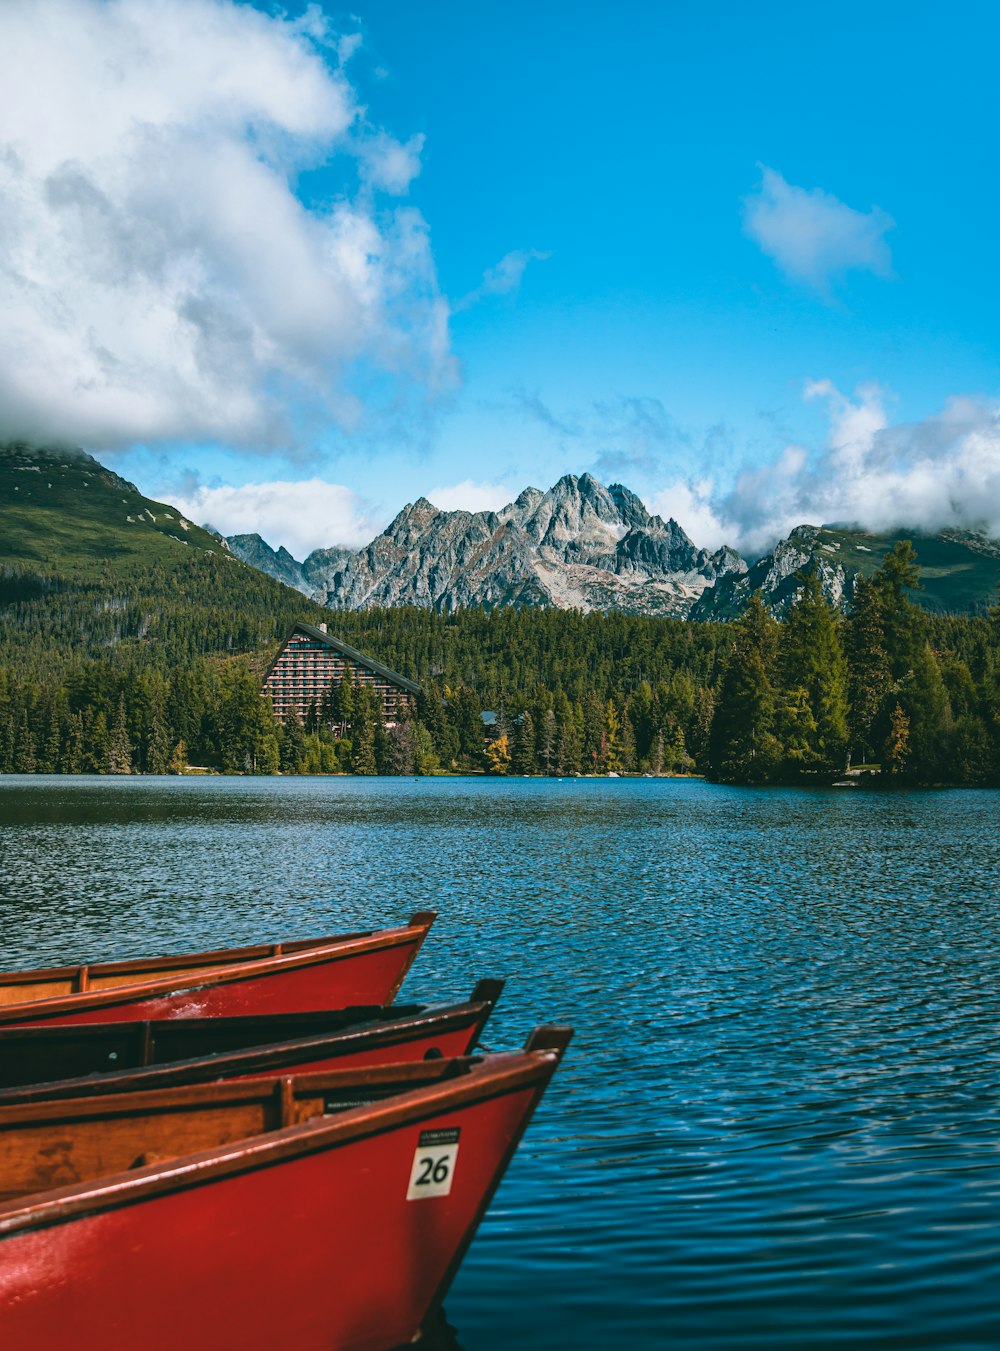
x=778 y=1124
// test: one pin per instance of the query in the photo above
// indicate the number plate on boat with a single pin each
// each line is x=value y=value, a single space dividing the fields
x=433 y=1164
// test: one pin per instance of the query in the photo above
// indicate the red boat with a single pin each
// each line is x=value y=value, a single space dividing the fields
x=310 y=974
x=324 y=1212
x=123 y=1057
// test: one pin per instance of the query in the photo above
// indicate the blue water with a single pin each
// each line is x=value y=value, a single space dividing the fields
x=778 y=1124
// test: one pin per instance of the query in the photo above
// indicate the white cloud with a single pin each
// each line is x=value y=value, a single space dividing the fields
x=159 y=278
x=690 y=505
x=941 y=472
x=305 y=515
x=391 y=165
x=504 y=278
x=470 y=496
x=812 y=236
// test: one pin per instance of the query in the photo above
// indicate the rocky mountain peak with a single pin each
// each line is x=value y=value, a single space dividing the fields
x=578 y=544
x=631 y=509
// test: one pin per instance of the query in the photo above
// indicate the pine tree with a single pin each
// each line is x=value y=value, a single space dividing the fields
x=363 y=757
x=73 y=756
x=814 y=677
x=870 y=677
x=292 y=744
x=25 y=752
x=657 y=758
x=896 y=750
x=626 y=744
x=524 y=759
x=343 y=700
x=925 y=702
x=363 y=748
x=547 y=742
x=158 y=746
x=98 y=743
x=742 y=744
x=567 y=737
x=119 y=744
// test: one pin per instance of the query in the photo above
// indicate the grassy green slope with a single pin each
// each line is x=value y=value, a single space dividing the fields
x=64 y=513
x=88 y=565
x=959 y=573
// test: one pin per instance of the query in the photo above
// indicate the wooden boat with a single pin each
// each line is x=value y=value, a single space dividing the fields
x=41 y=1063
x=310 y=974
x=324 y=1212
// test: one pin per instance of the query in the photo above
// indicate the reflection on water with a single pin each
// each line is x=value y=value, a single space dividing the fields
x=777 y=1126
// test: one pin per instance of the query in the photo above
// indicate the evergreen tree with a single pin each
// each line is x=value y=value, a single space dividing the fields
x=524 y=759
x=567 y=737
x=292 y=744
x=896 y=750
x=870 y=678
x=119 y=744
x=742 y=745
x=466 y=716
x=924 y=700
x=363 y=758
x=626 y=744
x=657 y=758
x=343 y=700
x=96 y=761
x=547 y=742
x=814 y=678
x=25 y=752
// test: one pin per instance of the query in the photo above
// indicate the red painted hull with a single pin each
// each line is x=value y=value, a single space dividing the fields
x=310 y=1244
x=365 y=970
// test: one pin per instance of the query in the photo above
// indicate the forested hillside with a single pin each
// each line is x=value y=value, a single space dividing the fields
x=754 y=702
x=130 y=642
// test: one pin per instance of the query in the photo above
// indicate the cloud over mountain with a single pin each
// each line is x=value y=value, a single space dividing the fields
x=943 y=471
x=159 y=277
x=302 y=515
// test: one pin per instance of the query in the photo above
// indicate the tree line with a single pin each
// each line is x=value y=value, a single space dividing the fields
x=807 y=699
x=754 y=702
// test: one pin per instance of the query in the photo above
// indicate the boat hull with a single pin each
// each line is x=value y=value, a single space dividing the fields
x=368 y=969
x=309 y=1237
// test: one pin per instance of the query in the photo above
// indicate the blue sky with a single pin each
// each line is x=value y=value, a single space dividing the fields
x=741 y=258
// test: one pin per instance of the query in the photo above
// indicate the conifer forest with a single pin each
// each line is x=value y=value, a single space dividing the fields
x=153 y=684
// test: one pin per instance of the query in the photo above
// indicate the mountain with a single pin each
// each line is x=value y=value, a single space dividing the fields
x=579 y=545
x=88 y=565
x=307 y=577
x=61 y=510
x=959 y=570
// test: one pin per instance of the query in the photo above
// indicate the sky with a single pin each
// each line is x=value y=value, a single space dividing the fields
x=294 y=267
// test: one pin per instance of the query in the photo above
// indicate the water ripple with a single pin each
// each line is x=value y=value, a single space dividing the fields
x=777 y=1126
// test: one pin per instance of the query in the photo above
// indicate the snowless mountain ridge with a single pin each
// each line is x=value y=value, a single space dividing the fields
x=579 y=545
x=585 y=546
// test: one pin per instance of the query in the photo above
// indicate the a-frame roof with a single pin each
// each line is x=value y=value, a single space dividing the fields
x=352 y=654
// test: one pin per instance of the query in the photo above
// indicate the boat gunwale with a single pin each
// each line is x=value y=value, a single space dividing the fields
x=36 y=1009
x=375 y=1032
x=217 y=956
x=477 y=1079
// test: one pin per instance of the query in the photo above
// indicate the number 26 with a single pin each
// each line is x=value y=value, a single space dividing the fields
x=434 y=1171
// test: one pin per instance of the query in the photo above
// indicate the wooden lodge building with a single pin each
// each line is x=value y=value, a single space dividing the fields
x=310 y=661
